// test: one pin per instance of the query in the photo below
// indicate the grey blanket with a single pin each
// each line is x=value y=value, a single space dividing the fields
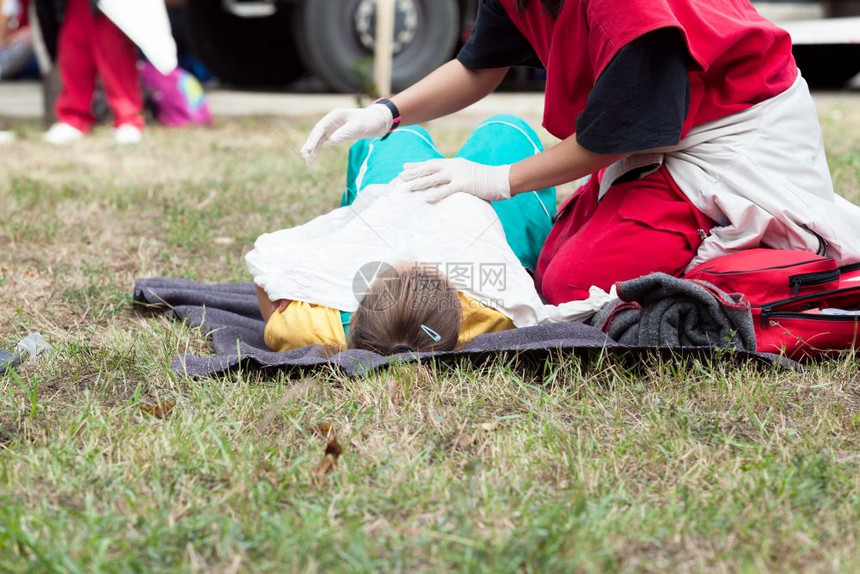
x=659 y=310
x=229 y=313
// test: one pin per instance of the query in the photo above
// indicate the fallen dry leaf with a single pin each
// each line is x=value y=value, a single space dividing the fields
x=160 y=410
x=333 y=451
x=325 y=430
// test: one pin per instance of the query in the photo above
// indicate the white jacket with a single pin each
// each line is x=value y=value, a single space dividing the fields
x=762 y=176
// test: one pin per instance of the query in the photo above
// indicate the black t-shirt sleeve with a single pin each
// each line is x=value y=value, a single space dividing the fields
x=641 y=99
x=496 y=42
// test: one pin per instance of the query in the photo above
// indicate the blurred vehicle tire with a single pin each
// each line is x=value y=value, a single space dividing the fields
x=828 y=66
x=841 y=8
x=246 y=51
x=336 y=38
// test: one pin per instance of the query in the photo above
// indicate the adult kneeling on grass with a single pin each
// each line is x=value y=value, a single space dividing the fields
x=691 y=116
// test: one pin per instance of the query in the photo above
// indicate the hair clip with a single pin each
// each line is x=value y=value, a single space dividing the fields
x=431 y=333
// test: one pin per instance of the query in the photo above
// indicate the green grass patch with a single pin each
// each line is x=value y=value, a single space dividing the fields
x=575 y=464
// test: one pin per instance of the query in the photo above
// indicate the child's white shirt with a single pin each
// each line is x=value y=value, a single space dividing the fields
x=461 y=236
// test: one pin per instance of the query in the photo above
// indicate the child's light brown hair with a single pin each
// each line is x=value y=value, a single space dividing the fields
x=407 y=308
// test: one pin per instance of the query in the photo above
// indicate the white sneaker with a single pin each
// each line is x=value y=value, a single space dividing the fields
x=127 y=134
x=61 y=134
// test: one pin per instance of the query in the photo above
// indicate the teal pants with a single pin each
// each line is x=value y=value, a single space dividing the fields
x=526 y=218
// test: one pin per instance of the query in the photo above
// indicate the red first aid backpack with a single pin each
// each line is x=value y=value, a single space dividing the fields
x=803 y=304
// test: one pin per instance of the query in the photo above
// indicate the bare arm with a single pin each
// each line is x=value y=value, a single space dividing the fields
x=448 y=89
x=562 y=163
x=267 y=306
x=565 y=162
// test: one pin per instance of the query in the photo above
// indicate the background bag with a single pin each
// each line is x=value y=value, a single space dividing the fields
x=177 y=99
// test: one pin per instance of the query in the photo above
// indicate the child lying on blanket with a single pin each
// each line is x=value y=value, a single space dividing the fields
x=407 y=308
x=450 y=270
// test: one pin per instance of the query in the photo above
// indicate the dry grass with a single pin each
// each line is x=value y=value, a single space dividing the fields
x=585 y=465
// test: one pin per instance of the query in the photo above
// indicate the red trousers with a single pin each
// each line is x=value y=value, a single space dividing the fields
x=91 y=44
x=637 y=228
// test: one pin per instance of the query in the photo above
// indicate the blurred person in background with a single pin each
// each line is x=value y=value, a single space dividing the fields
x=691 y=117
x=89 y=44
x=16 y=44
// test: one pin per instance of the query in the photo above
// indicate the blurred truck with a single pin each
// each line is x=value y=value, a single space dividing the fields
x=274 y=42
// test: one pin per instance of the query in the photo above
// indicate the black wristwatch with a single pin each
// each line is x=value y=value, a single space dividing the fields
x=395 y=113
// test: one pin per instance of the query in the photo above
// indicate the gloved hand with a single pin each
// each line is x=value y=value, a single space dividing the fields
x=442 y=177
x=347 y=124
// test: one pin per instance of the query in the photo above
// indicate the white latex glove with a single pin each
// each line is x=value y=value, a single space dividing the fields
x=442 y=177
x=347 y=124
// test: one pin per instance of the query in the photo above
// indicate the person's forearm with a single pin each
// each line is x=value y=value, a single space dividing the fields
x=562 y=163
x=448 y=89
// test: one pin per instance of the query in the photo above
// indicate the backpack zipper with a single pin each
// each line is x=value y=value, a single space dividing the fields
x=767 y=311
x=767 y=314
x=809 y=279
x=740 y=271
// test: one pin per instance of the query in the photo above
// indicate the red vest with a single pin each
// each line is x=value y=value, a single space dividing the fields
x=740 y=58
